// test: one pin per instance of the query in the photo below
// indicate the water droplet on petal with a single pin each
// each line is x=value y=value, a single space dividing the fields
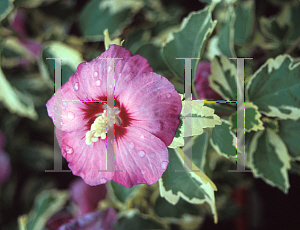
x=131 y=145
x=55 y=108
x=71 y=115
x=143 y=172
x=110 y=86
x=143 y=137
x=76 y=86
x=109 y=69
x=98 y=83
x=95 y=74
x=65 y=104
x=175 y=108
x=164 y=164
x=103 y=181
x=168 y=95
x=141 y=153
x=69 y=150
x=159 y=126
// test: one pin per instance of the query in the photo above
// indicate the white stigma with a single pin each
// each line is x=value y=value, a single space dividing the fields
x=102 y=123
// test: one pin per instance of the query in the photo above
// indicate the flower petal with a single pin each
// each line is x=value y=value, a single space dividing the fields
x=153 y=104
x=70 y=109
x=142 y=156
x=84 y=160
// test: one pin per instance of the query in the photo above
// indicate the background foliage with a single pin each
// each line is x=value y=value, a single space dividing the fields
x=160 y=30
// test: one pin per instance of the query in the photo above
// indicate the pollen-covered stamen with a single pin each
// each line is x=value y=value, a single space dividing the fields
x=102 y=124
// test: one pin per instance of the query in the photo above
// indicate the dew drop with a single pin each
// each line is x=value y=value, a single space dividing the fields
x=109 y=69
x=143 y=172
x=141 y=153
x=95 y=74
x=110 y=86
x=159 y=126
x=71 y=115
x=65 y=104
x=164 y=164
x=98 y=83
x=76 y=86
x=69 y=150
x=131 y=145
x=168 y=95
x=143 y=137
x=55 y=108
x=103 y=181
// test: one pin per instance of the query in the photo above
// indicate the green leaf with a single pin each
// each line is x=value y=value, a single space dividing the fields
x=46 y=204
x=71 y=59
x=202 y=117
x=252 y=118
x=135 y=40
x=121 y=192
x=153 y=56
x=289 y=131
x=269 y=159
x=183 y=213
x=188 y=42
x=244 y=22
x=223 y=79
x=164 y=209
x=273 y=29
x=6 y=6
x=275 y=88
x=223 y=140
x=97 y=16
x=284 y=26
x=199 y=145
x=295 y=21
x=12 y=53
x=15 y=101
x=133 y=219
x=226 y=35
x=193 y=187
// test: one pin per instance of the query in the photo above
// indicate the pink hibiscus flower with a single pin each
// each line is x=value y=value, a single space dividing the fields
x=144 y=118
x=202 y=84
x=86 y=197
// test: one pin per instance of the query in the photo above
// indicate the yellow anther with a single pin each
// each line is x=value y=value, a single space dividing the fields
x=98 y=128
